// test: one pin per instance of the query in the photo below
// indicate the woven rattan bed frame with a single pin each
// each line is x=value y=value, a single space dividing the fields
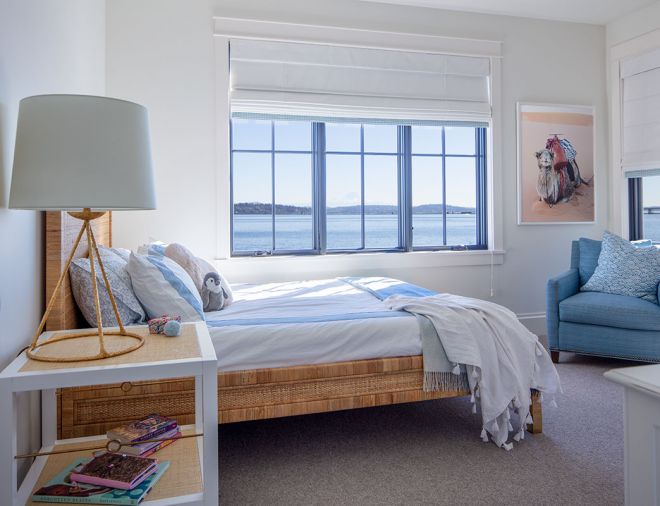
x=242 y=395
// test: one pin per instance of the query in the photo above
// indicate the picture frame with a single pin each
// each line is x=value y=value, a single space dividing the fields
x=556 y=167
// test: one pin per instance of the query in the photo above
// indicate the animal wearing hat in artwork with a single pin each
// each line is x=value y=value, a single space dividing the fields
x=559 y=174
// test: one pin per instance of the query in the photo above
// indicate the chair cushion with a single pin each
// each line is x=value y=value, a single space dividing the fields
x=610 y=310
x=624 y=269
x=589 y=252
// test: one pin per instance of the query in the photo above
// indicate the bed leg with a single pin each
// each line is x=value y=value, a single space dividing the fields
x=554 y=355
x=537 y=414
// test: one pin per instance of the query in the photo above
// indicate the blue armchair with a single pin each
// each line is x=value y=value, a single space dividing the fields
x=593 y=323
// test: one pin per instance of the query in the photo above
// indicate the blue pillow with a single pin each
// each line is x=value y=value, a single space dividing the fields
x=624 y=269
x=589 y=251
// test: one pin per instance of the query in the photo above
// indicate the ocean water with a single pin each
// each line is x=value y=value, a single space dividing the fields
x=652 y=227
x=253 y=232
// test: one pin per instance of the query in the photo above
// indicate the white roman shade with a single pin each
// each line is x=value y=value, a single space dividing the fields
x=641 y=114
x=327 y=80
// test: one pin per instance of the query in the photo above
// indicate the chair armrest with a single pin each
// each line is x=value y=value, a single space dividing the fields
x=563 y=286
x=559 y=288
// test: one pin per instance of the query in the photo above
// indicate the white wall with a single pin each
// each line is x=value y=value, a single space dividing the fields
x=160 y=54
x=633 y=25
x=45 y=47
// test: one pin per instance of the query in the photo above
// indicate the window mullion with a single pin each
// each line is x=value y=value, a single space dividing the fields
x=231 y=187
x=319 y=187
x=444 y=190
x=272 y=180
x=482 y=194
x=635 y=208
x=362 y=219
x=404 y=156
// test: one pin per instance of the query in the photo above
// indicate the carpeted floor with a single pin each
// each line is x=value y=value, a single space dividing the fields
x=430 y=453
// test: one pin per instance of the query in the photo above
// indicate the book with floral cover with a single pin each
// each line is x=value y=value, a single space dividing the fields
x=116 y=470
x=62 y=489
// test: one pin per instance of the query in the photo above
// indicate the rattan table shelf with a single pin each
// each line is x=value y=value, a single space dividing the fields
x=193 y=474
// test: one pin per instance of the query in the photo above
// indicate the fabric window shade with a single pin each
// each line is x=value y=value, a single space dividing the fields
x=641 y=114
x=316 y=79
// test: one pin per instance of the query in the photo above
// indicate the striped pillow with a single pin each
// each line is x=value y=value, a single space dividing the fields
x=163 y=287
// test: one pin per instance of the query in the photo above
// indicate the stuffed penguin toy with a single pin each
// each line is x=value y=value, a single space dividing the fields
x=213 y=294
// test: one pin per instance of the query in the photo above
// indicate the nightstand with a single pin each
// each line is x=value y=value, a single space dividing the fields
x=193 y=474
x=641 y=426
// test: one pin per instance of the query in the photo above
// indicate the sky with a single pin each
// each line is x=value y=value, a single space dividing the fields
x=651 y=191
x=293 y=175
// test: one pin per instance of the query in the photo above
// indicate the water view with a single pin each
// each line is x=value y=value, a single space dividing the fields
x=652 y=227
x=253 y=232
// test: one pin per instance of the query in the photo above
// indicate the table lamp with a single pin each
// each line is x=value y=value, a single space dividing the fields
x=86 y=155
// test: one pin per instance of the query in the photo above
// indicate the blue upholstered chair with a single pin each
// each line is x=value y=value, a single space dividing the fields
x=593 y=323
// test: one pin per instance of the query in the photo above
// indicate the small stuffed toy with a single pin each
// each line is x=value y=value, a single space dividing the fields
x=157 y=325
x=201 y=272
x=213 y=294
x=172 y=328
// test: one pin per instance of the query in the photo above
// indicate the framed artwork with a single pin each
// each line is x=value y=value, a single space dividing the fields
x=556 y=172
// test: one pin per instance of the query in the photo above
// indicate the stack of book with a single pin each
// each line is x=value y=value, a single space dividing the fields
x=152 y=427
x=123 y=477
x=107 y=478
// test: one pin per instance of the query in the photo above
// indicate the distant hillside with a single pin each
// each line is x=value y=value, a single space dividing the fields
x=261 y=208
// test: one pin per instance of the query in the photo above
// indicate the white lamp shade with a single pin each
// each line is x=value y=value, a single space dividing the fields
x=78 y=151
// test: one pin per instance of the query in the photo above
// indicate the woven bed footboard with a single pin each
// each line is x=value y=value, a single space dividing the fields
x=249 y=395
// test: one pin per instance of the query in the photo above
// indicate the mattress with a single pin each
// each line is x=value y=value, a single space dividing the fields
x=310 y=322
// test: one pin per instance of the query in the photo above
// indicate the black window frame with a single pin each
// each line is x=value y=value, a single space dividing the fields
x=404 y=157
x=635 y=209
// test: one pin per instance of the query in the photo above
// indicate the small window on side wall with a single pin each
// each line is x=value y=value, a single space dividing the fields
x=644 y=208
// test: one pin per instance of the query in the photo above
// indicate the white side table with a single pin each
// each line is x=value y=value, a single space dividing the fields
x=193 y=473
x=641 y=432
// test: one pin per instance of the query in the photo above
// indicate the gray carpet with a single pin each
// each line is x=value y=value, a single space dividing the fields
x=430 y=453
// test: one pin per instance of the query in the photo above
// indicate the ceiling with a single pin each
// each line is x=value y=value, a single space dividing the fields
x=597 y=12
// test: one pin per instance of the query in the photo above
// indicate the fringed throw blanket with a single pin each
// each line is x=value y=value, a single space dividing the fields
x=503 y=360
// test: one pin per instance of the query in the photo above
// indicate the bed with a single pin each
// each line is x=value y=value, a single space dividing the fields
x=292 y=375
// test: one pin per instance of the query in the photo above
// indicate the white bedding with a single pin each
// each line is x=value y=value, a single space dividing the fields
x=269 y=326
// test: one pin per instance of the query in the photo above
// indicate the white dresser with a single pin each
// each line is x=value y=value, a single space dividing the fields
x=641 y=432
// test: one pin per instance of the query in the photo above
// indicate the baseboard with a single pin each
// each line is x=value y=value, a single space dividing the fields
x=535 y=322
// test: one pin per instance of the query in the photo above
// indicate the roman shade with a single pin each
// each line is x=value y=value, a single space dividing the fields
x=641 y=114
x=340 y=81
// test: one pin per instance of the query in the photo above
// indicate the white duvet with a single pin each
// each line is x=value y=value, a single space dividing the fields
x=265 y=326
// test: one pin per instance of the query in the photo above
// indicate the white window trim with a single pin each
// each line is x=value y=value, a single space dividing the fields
x=227 y=28
x=619 y=219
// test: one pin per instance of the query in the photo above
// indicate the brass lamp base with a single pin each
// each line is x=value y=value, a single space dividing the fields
x=86 y=216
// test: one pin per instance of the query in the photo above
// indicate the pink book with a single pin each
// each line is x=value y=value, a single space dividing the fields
x=116 y=470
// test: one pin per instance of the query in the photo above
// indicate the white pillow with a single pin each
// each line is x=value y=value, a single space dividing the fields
x=156 y=248
x=163 y=287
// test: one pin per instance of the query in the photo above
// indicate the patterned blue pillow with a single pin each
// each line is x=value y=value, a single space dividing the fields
x=130 y=310
x=624 y=269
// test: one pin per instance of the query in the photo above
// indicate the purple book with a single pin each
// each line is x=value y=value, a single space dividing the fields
x=150 y=427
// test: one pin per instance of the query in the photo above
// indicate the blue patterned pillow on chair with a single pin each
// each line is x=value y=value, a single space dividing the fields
x=624 y=269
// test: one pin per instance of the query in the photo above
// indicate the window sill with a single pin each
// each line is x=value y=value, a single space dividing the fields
x=376 y=260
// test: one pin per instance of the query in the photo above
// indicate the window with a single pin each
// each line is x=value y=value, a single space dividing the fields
x=325 y=186
x=644 y=206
